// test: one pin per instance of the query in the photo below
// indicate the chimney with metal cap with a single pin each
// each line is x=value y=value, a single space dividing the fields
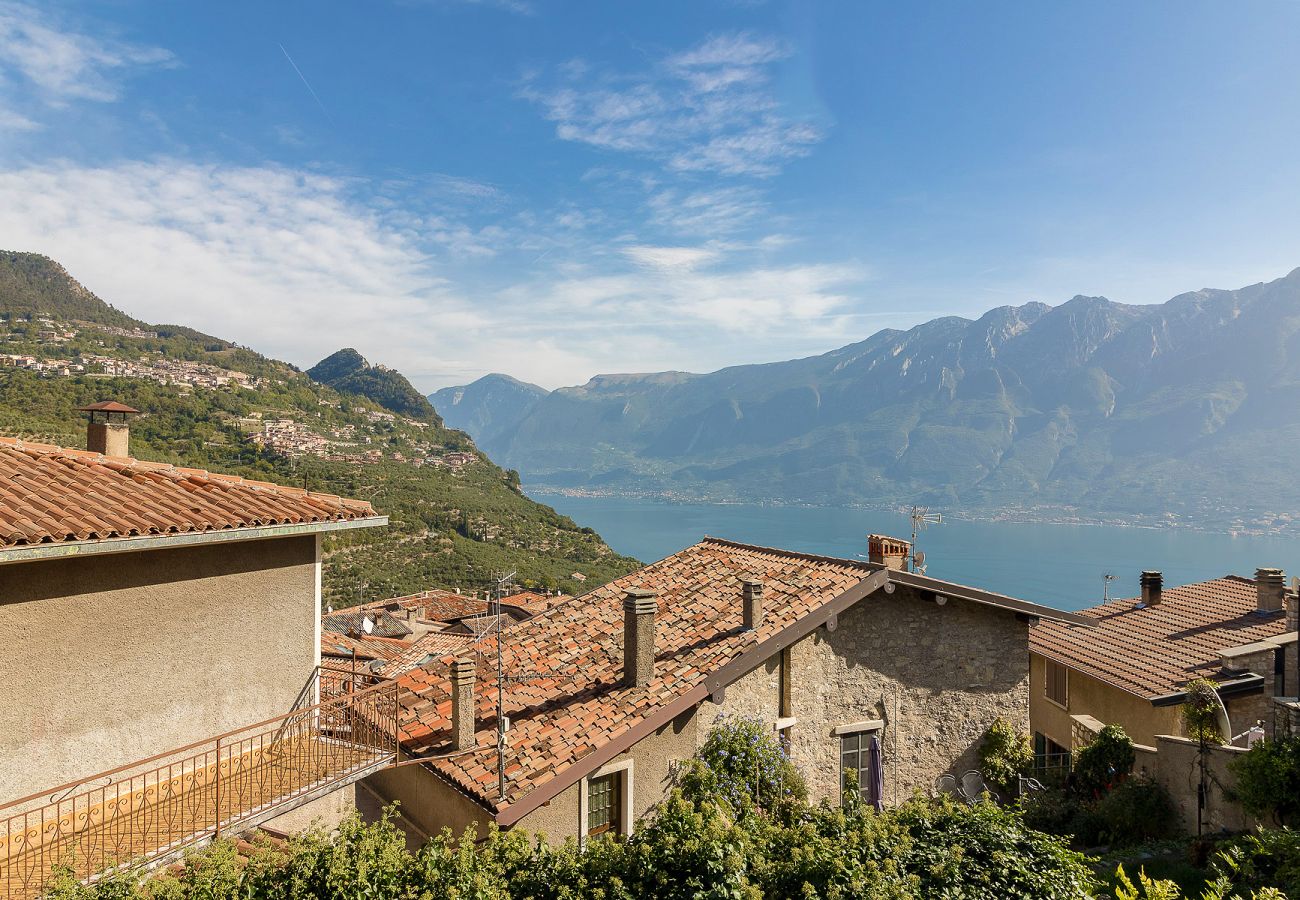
x=1152 y=585
x=639 y=608
x=1270 y=585
x=463 y=674
x=752 y=602
x=887 y=551
x=107 y=431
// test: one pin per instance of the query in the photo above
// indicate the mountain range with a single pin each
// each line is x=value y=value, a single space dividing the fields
x=1186 y=411
x=344 y=427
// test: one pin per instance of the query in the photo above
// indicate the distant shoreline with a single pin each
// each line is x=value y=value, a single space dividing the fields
x=1046 y=515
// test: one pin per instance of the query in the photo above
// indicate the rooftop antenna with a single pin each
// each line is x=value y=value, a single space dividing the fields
x=922 y=518
x=1106 y=578
x=497 y=593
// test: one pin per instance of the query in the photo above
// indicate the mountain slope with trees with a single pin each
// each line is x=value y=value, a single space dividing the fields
x=1184 y=411
x=348 y=372
x=451 y=525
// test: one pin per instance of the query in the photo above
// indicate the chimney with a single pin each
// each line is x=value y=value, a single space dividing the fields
x=107 y=431
x=1271 y=587
x=1152 y=585
x=463 y=673
x=639 y=608
x=887 y=551
x=752 y=602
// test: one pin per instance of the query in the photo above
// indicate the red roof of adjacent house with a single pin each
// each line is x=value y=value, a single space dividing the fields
x=574 y=700
x=54 y=495
x=364 y=646
x=436 y=646
x=433 y=605
x=1155 y=650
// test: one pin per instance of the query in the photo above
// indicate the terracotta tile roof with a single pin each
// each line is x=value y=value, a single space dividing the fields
x=1156 y=650
x=533 y=602
x=436 y=647
x=367 y=647
x=352 y=622
x=433 y=605
x=55 y=495
x=483 y=624
x=574 y=700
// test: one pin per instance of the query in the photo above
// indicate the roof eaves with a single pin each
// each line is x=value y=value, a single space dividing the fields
x=988 y=598
x=725 y=675
x=96 y=547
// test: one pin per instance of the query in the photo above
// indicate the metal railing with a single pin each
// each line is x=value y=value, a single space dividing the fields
x=153 y=808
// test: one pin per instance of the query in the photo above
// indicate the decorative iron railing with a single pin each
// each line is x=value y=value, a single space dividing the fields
x=345 y=726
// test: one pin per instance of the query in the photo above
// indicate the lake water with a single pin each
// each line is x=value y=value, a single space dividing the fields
x=1057 y=565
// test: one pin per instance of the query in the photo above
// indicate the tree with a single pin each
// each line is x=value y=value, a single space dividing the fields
x=1005 y=755
x=1268 y=780
x=1104 y=762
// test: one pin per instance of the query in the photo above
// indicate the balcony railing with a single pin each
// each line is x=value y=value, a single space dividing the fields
x=152 y=809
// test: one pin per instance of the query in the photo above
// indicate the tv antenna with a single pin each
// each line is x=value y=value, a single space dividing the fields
x=1106 y=579
x=922 y=519
x=498 y=591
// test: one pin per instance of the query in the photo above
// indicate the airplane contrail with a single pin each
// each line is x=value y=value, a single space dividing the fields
x=306 y=83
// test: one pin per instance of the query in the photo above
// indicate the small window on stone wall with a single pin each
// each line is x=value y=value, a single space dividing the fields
x=1057 y=686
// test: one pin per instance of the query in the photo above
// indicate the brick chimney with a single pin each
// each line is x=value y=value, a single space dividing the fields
x=751 y=593
x=107 y=431
x=639 y=608
x=463 y=674
x=1152 y=586
x=887 y=551
x=1271 y=587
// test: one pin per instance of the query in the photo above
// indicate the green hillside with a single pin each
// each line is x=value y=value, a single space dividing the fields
x=456 y=518
x=348 y=373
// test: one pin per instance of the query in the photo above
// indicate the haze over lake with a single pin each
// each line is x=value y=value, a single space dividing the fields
x=1058 y=565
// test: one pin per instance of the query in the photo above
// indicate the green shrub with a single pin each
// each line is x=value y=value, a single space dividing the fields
x=1137 y=811
x=1005 y=755
x=741 y=764
x=1268 y=858
x=1268 y=780
x=1105 y=762
x=1200 y=712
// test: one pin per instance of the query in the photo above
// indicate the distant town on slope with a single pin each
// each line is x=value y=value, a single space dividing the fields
x=1187 y=412
x=456 y=518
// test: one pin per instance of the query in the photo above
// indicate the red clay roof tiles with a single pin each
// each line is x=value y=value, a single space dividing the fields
x=573 y=700
x=1156 y=650
x=53 y=494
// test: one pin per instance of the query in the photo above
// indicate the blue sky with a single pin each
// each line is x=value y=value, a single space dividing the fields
x=559 y=189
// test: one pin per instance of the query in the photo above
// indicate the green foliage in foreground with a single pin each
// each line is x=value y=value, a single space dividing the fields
x=703 y=846
x=1268 y=780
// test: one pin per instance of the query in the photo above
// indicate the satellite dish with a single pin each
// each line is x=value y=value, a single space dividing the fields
x=368 y=625
x=920 y=559
x=328 y=610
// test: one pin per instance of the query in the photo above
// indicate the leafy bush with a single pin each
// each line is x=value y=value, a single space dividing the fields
x=1105 y=762
x=1200 y=712
x=742 y=764
x=1268 y=780
x=1137 y=811
x=1005 y=755
x=1268 y=858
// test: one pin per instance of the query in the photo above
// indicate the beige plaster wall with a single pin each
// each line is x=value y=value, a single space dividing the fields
x=1087 y=696
x=937 y=675
x=325 y=813
x=1177 y=767
x=429 y=802
x=110 y=659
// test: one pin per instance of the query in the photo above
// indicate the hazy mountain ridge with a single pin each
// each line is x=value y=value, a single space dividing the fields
x=1092 y=406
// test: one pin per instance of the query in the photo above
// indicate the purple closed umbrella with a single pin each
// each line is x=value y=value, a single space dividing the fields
x=876 y=773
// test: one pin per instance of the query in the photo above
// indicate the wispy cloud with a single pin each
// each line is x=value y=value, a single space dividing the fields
x=45 y=62
x=707 y=109
x=297 y=264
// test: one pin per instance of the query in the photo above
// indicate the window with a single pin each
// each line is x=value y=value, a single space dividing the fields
x=605 y=804
x=1057 y=680
x=860 y=754
x=1050 y=758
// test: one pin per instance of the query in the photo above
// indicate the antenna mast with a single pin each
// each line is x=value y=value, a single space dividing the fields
x=497 y=594
x=1106 y=579
x=922 y=518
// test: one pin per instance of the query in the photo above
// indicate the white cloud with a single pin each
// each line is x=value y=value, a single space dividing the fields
x=58 y=64
x=713 y=211
x=296 y=266
x=709 y=109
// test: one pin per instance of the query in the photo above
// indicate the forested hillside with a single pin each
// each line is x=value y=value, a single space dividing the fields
x=456 y=518
x=1186 y=411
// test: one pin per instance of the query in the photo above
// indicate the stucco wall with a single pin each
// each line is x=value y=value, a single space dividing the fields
x=1087 y=696
x=937 y=675
x=429 y=802
x=109 y=659
x=1177 y=767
